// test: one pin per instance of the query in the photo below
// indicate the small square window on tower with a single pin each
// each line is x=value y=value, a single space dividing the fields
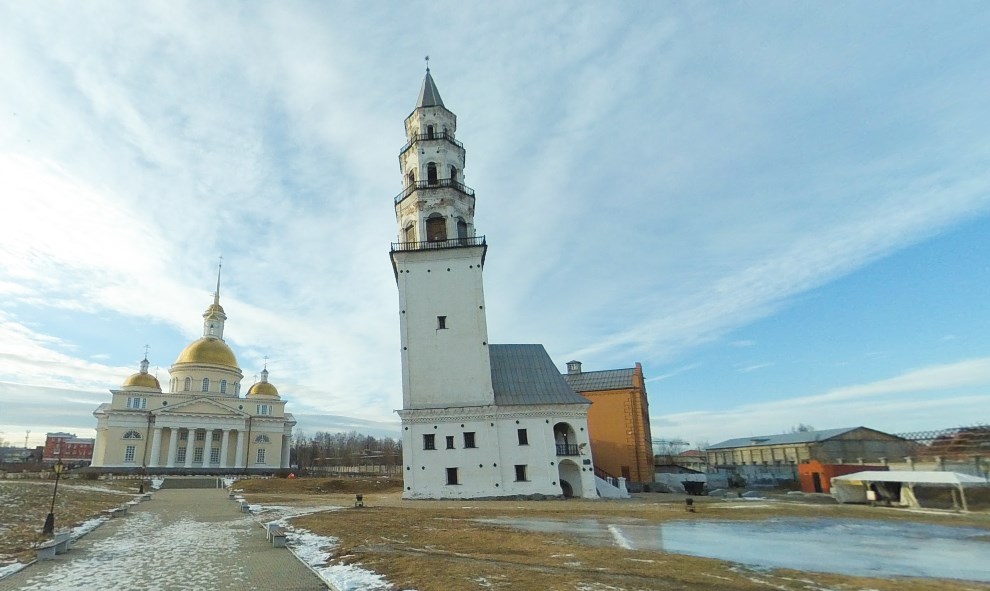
x=429 y=441
x=469 y=439
x=523 y=436
x=441 y=322
x=452 y=476
x=450 y=442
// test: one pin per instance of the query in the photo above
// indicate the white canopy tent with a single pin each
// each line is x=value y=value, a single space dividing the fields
x=857 y=487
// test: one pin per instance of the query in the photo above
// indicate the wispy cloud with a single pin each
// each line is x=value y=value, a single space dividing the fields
x=924 y=398
x=649 y=180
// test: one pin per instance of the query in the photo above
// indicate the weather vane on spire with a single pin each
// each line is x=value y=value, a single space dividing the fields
x=427 y=63
x=146 y=347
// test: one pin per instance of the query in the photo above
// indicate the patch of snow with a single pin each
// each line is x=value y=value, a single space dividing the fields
x=87 y=526
x=620 y=540
x=156 y=483
x=9 y=569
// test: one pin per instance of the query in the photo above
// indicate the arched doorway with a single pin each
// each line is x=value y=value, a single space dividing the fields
x=569 y=476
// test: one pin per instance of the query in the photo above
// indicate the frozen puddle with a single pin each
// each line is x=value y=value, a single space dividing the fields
x=844 y=546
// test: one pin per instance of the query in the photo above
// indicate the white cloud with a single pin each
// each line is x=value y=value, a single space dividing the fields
x=649 y=179
x=939 y=396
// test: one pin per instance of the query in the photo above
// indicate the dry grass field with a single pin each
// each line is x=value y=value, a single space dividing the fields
x=24 y=504
x=441 y=545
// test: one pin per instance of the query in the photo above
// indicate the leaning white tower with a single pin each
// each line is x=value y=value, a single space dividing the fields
x=438 y=262
x=478 y=420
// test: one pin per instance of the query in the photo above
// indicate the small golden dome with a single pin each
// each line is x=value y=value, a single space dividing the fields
x=142 y=380
x=213 y=309
x=262 y=390
x=208 y=350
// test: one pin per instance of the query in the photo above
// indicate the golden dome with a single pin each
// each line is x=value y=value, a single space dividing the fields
x=214 y=308
x=262 y=389
x=142 y=380
x=208 y=350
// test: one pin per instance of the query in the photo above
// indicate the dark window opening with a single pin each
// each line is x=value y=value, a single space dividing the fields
x=429 y=441
x=450 y=442
x=410 y=234
x=429 y=132
x=441 y=322
x=436 y=228
x=461 y=229
x=431 y=173
x=521 y=472
x=469 y=439
x=451 y=475
x=523 y=436
x=453 y=173
x=411 y=178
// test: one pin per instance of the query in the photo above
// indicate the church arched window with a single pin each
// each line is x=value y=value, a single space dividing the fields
x=132 y=435
x=409 y=235
x=206 y=384
x=436 y=228
x=410 y=178
x=453 y=174
x=262 y=439
x=223 y=386
x=461 y=229
x=431 y=173
x=187 y=385
x=429 y=132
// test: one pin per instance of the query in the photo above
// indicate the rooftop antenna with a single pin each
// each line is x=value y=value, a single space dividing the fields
x=427 y=64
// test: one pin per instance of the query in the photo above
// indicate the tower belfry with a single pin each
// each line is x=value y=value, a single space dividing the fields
x=438 y=261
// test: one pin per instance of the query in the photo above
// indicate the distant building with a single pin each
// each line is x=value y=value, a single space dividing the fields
x=201 y=424
x=68 y=448
x=619 y=420
x=774 y=457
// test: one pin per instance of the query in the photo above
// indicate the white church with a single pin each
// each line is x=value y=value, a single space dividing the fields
x=201 y=424
x=478 y=420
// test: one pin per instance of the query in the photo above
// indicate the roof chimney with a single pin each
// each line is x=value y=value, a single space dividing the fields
x=573 y=367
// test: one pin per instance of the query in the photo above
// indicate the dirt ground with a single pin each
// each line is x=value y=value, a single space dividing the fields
x=441 y=545
x=24 y=504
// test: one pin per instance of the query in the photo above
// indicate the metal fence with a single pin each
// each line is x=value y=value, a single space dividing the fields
x=953 y=443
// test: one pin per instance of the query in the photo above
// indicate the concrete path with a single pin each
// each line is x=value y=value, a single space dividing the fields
x=181 y=539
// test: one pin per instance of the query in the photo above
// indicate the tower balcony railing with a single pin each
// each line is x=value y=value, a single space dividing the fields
x=443 y=135
x=439 y=244
x=434 y=184
x=567 y=449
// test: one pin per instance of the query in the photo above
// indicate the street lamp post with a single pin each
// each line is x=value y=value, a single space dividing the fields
x=50 y=520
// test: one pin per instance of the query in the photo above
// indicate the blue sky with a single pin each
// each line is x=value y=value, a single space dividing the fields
x=780 y=209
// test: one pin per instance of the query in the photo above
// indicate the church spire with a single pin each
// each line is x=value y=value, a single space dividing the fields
x=216 y=294
x=214 y=316
x=429 y=96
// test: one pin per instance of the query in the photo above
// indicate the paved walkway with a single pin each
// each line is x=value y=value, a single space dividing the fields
x=193 y=539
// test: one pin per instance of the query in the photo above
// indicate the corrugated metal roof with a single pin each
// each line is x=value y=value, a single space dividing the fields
x=429 y=96
x=525 y=374
x=782 y=439
x=609 y=379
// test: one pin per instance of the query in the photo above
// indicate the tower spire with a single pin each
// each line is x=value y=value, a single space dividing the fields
x=216 y=294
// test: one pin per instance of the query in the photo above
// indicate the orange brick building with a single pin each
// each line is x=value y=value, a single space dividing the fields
x=618 y=421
